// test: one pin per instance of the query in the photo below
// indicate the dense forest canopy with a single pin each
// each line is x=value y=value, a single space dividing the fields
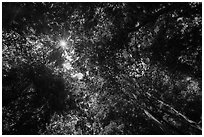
x=101 y=68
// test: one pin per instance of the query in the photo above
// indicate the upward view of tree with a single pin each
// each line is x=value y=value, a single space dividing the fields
x=101 y=68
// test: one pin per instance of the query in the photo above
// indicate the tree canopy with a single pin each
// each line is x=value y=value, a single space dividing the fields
x=101 y=68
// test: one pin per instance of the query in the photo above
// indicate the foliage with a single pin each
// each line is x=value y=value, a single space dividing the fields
x=125 y=68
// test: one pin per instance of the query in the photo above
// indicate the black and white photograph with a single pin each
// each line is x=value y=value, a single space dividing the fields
x=101 y=68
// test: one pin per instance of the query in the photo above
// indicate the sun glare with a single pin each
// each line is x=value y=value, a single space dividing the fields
x=63 y=43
